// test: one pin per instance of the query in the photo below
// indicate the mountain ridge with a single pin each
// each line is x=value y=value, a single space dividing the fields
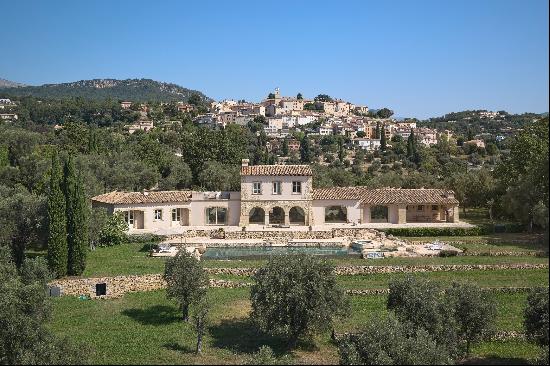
x=135 y=90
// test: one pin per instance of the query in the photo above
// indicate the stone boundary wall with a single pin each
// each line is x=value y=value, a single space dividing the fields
x=363 y=270
x=504 y=335
x=119 y=285
x=384 y=291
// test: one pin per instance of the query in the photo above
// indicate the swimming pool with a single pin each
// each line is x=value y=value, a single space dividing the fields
x=258 y=252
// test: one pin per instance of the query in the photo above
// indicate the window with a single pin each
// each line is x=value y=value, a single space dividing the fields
x=336 y=214
x=379 y=213
x=216 y=216
x=276 y=187
x=296 y=187
x=176 y=214
x=129 y=217
x=256 y=188
x=158 y=214
x=435 y=208
x=420 y=208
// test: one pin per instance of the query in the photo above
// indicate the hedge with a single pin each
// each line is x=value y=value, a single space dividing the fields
x=455 y=231
x=144 y=238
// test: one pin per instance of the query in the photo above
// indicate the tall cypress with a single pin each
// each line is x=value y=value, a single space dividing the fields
x=69 y=188
x=79 y=235
x=411 y=145
x=57 y=223
x=383 y=143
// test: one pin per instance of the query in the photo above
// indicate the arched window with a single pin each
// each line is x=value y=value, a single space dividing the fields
x=297 y=216
x=256 y=216
x=336 y=214
x=276 y=216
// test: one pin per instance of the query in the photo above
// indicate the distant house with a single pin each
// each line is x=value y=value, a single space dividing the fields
x=125 y=105
x=367 y=144
x=9 y=116
x=477 y=143
x=279 y=195
x=184 y=107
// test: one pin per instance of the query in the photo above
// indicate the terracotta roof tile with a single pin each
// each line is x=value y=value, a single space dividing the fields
x=381 y=196
x=293 y=170
x=116 y=197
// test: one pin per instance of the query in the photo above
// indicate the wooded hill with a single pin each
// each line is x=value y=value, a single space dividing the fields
x=139 y=90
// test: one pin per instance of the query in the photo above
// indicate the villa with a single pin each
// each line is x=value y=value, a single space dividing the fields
x=280 y=196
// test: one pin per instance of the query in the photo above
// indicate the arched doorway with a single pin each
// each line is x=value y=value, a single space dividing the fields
x=297 y=216
x=276 y=216
x=256 y=216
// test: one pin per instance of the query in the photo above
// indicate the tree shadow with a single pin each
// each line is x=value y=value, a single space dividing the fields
x=494 y=360
x=174 y=346
x=242 y=336
x=154 y=315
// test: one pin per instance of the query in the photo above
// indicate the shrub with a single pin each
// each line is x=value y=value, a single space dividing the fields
x=448 y=253
x=535 y=318
x=144 y=238
x=114 y=231
x=390 y=342
x=295 y=296
x=265 y=356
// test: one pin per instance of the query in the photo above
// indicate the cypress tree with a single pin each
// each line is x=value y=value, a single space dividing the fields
x=79 y=236
x=57 y=223
x=411 y=145
x=305 y=150
x=377 y=131
x=69 y=188
x=285 y=147
x=383 y=144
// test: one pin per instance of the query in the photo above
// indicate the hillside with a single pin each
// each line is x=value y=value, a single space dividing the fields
x=9 y=84
x=130 y=89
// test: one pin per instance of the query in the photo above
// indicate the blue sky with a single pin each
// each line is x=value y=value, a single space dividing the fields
x=421 y=58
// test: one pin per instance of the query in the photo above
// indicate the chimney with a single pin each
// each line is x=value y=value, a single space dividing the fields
x=245 y=162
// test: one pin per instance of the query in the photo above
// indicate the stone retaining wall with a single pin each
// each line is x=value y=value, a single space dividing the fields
x=119 y=285
x=363 y=270
x=497 y=336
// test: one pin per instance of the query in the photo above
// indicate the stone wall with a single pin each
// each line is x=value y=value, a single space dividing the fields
x=116 y=286
x=363 y=270
x=119 y=285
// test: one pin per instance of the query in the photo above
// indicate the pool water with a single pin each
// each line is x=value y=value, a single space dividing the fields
x=258 y=252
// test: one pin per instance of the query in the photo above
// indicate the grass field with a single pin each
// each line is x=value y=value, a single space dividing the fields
x=146 y=328
x=133 y=259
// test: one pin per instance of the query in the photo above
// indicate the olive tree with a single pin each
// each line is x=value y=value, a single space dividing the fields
x=535 y=319
x=388 y=341
x=295 y=296
x=187 y=282
x=474 y=312
x=455 y=317
x=24 y=337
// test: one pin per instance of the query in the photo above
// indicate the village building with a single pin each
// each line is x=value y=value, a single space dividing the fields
x=280 y=195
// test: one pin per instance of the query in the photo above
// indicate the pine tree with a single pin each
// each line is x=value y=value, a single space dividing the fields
x=57 y=223
x=383 y=144
x=79 y=243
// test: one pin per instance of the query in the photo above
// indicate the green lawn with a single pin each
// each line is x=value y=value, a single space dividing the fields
x=496 y=278
x=146 y=328
x=133 y=259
